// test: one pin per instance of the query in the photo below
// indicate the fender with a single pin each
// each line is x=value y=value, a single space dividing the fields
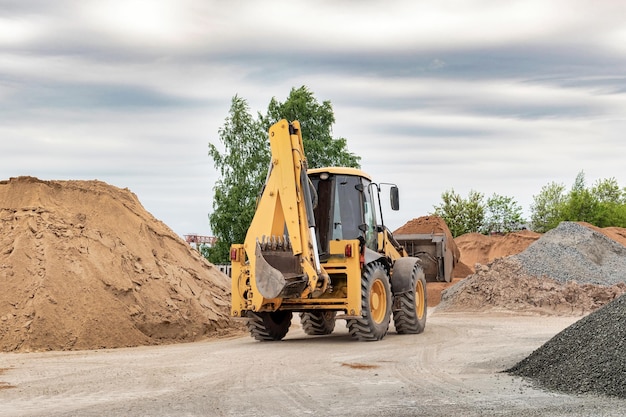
x=402 y=274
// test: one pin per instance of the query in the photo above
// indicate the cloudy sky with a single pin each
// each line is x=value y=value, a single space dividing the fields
x=485 y=95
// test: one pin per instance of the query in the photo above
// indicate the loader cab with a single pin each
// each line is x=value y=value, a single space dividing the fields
x=344 y=207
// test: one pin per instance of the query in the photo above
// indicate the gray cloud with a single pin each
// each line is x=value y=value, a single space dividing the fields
x=498 y=97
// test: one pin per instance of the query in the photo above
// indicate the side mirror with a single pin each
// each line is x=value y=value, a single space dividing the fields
x=395 y=198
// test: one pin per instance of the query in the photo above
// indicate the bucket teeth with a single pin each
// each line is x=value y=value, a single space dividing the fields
x=263 y=242
x=274 y=243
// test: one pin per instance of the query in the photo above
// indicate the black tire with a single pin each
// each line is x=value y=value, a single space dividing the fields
x=315 y=323
x=375 y=305
x=269 y=326
x=409 y=308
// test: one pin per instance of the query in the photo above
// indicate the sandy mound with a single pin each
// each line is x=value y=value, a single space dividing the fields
x=83 y=265
x=572 y=269
x=476 y=248
x=587 y=357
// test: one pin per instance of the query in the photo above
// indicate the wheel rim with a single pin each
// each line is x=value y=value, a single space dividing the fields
x=419 y=298
x=378 y=301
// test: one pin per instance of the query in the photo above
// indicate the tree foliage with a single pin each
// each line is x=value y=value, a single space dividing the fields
x=603 y=205
x=244 y=159
x=316 y=121
x=462 y=215
x=545 y=210
x=242 y=166
x=503 y=215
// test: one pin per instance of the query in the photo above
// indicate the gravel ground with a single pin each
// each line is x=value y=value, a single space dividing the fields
x=587 y=357
x=573 y=252
x=454 y=368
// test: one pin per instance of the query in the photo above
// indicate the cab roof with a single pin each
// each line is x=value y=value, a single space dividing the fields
x=340 y=171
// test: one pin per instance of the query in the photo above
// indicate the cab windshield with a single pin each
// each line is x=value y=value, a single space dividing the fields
x=344 y=210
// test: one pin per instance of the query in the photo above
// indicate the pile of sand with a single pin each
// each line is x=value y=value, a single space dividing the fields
x=483 y=249
x=83 y=265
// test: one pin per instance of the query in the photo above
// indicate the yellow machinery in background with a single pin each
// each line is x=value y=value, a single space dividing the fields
x=317 y=246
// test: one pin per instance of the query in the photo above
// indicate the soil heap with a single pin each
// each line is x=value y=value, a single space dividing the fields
x=587 y=357
x=84 y=266
x=573 y=269
x=482 y=249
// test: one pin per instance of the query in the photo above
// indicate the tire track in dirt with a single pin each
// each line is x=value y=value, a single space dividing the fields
x=423 y=356
x=4 y=385
x=271 y=372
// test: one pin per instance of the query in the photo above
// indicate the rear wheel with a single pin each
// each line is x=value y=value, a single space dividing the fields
x=409 y=313
x=318 y=322
x=268 y=326
x=375 y=305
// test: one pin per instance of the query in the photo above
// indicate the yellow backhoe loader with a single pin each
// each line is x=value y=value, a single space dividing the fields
x=316 y=246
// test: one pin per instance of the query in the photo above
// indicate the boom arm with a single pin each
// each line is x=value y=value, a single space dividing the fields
x=280 y=244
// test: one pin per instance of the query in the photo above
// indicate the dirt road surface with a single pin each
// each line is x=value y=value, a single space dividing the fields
x=453 y=369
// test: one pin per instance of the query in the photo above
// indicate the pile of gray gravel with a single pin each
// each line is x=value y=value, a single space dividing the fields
x=587 y=357
x=573 y=252
x=571 y=270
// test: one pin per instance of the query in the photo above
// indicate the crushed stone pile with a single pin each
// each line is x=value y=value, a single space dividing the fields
x=587 y=357
x=571 y=270
x=84 y=266
x=574 y=252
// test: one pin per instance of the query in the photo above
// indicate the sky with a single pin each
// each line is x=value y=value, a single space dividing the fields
x=477 y=95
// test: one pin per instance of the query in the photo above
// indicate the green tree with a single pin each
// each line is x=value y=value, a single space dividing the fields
x=503 y=215
x=316 y=121
x=608 y=191
x=603 y=205
x=242 y=167
x=245 y=158
x=611 y=203
x=546 y=207
x=462 y=215
x=581 y=205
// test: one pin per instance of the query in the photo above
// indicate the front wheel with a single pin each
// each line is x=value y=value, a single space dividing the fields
x=268 y=326
x=375 y=305
x=409 y=311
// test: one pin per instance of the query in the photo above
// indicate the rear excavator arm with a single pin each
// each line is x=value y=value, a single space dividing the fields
x=279 y=258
